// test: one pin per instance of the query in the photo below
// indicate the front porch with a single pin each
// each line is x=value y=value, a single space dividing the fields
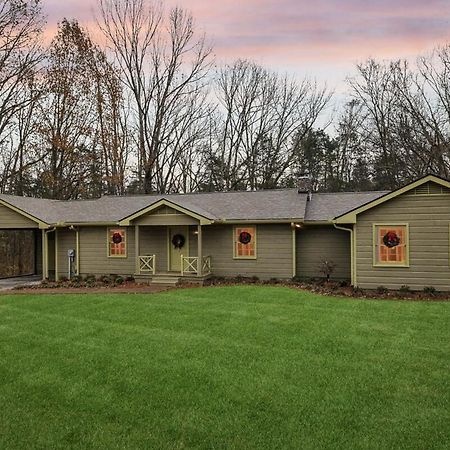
x=171 y=253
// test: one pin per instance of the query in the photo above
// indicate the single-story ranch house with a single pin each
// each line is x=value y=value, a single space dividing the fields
x=374 y=239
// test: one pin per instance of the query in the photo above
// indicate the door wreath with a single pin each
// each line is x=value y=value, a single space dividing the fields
x=178 y=240
x=117 y=238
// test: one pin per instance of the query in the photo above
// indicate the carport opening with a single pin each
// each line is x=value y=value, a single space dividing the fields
x=21 y=253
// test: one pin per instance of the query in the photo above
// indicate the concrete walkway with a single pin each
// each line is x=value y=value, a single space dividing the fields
x=11 y=283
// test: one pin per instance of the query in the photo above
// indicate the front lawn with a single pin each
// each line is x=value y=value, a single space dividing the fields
x=223 y=367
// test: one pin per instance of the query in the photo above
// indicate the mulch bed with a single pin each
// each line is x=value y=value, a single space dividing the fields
x=331 y=288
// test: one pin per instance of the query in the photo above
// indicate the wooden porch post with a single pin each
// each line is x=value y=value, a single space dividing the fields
x=56 y=256
x=44 y=255
x=199 y=251
x=137 y=248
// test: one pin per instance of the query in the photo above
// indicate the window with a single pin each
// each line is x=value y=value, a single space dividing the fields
x=391 y=245
x=244 y=241
x=117 y=243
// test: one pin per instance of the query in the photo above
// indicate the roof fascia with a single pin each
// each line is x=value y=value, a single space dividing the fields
x=350 y=217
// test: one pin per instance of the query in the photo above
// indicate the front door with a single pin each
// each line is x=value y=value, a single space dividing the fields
x=178 y=245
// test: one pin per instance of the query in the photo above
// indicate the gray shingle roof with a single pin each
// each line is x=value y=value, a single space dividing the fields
x=278 y=204
x=326 y=206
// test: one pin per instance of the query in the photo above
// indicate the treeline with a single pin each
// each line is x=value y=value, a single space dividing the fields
x=152 y=112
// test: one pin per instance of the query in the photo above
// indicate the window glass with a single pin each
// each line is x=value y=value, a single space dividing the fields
x=245 y=242
x=117 y=245
x=391 y=244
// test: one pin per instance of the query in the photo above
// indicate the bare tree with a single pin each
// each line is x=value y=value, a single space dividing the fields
x=165 y=67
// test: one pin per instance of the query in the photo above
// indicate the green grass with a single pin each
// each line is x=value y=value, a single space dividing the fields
x=230 y=367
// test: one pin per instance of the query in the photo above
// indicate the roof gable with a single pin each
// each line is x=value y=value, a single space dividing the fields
x=164 y=202
x=23 y=213
x=350 y=216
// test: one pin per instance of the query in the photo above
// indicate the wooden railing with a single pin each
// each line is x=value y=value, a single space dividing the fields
x=189 y=264
x=206 y=268
x=147 y=264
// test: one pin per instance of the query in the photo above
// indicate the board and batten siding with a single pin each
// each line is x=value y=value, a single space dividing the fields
x=274 y=251
x=11 y=219
x=320 y=243
x=428 y=217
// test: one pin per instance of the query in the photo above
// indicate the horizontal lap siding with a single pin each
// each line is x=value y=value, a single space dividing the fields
x=66 y=241
x=93 y=253
x=428 y=218
x=153 y=241
x=11 y=219
x=274 y=251
x=317 y=244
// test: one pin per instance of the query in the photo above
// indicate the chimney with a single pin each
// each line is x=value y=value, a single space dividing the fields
x=304 y=185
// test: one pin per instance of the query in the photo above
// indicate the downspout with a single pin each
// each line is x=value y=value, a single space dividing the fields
x=352 y=253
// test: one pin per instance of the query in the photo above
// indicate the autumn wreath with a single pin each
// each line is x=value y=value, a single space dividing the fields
x=178 y=240
x=390 y=239
x=245 y=237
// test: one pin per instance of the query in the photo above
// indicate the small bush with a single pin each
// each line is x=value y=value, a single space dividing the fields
x=344 y=283
x=118 y=281
x=89 y=277
x=63 y=279
x=76 y=279
x=129 y=279
x=274 y=281
x=405 y=289
x=105 y=279
x=382 y=290
x=429 y=290
x=254 y=279
x=113 y=276
x=297 y=279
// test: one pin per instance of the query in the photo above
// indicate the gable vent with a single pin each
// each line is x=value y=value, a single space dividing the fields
x=430 y=189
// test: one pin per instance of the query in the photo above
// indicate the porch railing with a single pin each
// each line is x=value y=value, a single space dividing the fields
x=189 y=264
x=147 y=264
x=206 y=268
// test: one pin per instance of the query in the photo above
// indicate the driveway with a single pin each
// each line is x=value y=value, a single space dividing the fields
x=11 y=283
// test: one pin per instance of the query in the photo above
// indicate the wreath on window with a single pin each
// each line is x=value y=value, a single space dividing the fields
x=117 y=238
x=390 y=239
x=178 y=241
x=245 y=237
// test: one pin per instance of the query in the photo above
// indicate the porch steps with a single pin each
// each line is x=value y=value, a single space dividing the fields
x=167 y=280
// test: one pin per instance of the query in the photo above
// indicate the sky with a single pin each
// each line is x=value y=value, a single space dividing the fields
x=317 y=38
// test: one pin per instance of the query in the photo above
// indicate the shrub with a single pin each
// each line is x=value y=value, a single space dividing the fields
x=105 y=279
x=297 y=279
x=76 y=279
x=344 y=283
x=430 y=290
x=327 y=268
x=119 y=280
x=381 y=290
x=113 y=276
x=129 y=279
x=254 y=279
x=405 y=289
x=63 y=279
x=274 y=281
x=89 y=277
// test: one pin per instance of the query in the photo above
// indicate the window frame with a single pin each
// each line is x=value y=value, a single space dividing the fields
x=375 y=245
x=235 y=241
x=108 y=243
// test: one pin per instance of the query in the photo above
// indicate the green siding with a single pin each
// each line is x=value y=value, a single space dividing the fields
x=12 y=219
x=274 y=252
x=66 y=240
x=316 y=244
x=428 y=217
x=153 y=241
x=93 y=253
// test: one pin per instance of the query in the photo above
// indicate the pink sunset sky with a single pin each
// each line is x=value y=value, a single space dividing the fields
x=321 y=38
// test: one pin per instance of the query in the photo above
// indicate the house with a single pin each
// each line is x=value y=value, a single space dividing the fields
x=374 y=238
